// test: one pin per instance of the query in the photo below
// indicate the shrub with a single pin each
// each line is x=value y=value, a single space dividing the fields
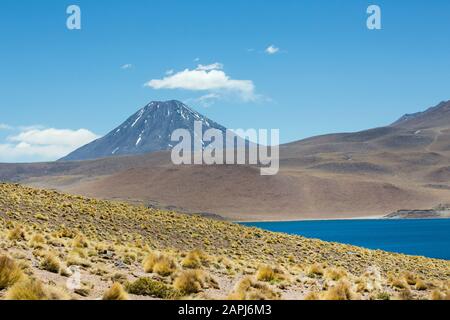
x=404 y=294
x=30 y=289
x=10 y=273
x=194 y=260
x=410 y=278
x=190 y=281
x=80 y=242
x=77 y=257
x=16 y=233
x=27 y=290
x=340 y=291
x=315 y=270
x=164 y=267
x=312 y=296
x=40 y=216
x=150 y=261
x=248 y=289
x=50 y=263
x=160 y=264
x=116 y=292
x=437 y=295
x=149 y=287
x=383 y=296
x=399 y=283
x=421 y=285
x=37 y=241
x=335 y=274
x=265 y=273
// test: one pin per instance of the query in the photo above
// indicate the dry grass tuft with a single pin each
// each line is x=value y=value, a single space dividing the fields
x=10 y=273
x=194 y=259
x=335 y=274
x=399 y=283
x=190 y=281
x=266 y=273
x=248 y=289
x=312 y=296
x=16 y=234
x=410 y=278
x=340 y=291
x=80 y=242
x=37 y=241
x=50 y=263
x=159 y=263
x=315 y=270
x=421 y=285
x=31 y=289
x=116 y=292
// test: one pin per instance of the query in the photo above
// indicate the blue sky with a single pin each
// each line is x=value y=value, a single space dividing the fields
x=330 y=73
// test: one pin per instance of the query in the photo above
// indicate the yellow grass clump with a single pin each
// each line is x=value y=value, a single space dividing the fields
x=50 y=263
x=189 y=282
x=315 y=270
x=194 y=259
x=335 y=274
x=116 y=292
x=17 y=234
x=159 y=263
x=248 y=289
x=340 y=291
x=31 y=289
x=37 y=241
x=80 y=242
x=10 y=273
x=193 y=281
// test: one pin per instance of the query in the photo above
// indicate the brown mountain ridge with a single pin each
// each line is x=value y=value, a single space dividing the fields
x=370 y=173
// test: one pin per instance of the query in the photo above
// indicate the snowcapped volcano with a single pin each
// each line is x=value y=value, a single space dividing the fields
x=148 y=130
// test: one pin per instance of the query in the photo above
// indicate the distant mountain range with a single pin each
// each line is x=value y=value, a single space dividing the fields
x=148 y=130
x=402 y=166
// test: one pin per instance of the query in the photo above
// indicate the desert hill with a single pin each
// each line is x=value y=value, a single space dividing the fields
x=370 y=173
x=122 y=251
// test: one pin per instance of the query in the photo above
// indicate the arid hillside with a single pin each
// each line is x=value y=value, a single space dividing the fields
x=58 y=246
x=364 y=174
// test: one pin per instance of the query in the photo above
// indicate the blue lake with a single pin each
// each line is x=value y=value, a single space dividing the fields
x=430 y=238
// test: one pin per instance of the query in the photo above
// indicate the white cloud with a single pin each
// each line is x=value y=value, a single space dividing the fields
x=4 y=126
x=126 y=66
x=206 y=100
x=272 y=49
x=209 y=67
x=170 y=72
x=206 y=78
x=43 y=144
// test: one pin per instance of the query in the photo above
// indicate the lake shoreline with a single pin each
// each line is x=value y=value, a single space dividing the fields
x=385 y=217
x=313 y=219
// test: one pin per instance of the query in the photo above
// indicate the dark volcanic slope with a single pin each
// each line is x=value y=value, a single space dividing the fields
x=148 y=130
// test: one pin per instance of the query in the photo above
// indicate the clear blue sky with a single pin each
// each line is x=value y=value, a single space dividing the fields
x=331 y=74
